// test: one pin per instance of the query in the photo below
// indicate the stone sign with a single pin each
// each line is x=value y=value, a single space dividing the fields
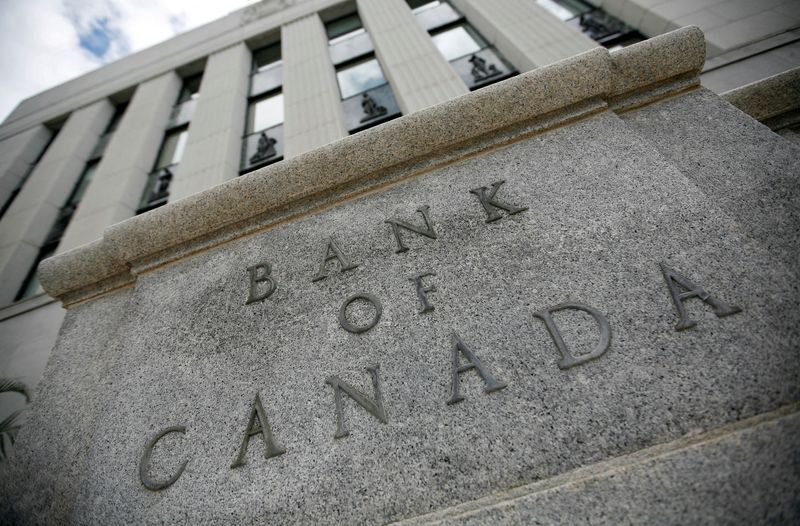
x=552 y=320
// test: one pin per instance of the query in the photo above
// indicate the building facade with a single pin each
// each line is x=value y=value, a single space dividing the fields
x=435 y=262
x=280 y=78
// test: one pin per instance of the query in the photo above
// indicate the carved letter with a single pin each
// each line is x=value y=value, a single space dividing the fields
x=428 y=231
x=374 y=408
x=147 y=482
x=567 y=358
x=260 y=427
x=259 y=274
x=332 y=251
x=491 y=205
x=349 y=327
x=673 y=278
x=473 y=363
x=422 y=291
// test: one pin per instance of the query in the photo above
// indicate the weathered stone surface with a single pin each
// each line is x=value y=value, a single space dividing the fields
x=742 y=166
x=603 y=211
x=41 y=480
x=591 y=205
x=747 y=475
x=768 y=98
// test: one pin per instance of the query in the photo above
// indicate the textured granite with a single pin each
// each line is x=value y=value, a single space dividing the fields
x=312 y=175
x=40 y=481
x=747 y=476
x=770 y=97
x=743 y=167
x=657 y=60
x=604 y=208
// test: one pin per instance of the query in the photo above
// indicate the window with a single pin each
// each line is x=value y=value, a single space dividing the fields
x=31 y=285
x=100 y=148
x=594 y=22
x=187 y=102
x=15 y=192
x=366 y=95
x=156 y=191
x=263 y=138
x=476 y=62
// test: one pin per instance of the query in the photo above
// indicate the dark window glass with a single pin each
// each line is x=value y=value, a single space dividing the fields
x=100 y=147
x=476 y=62
x=458 y=41
x=367 y=98
x=360 y=77
x=265 y=113
x=83 y=184
x=262 y=148
x=31 y=285
x=262 y=143
x=266 y=80
x=343 y=26
x=190 y=89
x=172 y=148
x=433 y=15
x=119 y=111
x=156 y=192
x=352 y=47
x=594 y=22
x=28 y=171
x=266 y=57
x=482 y=68
x=566 y=9
x=370 y=108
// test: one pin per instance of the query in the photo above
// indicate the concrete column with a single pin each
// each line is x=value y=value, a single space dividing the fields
x=524 y=32
x=17 y=153
x=419 y=74
x=117 y=186
x=213 y=149
x=313 y=114
x=27 y=222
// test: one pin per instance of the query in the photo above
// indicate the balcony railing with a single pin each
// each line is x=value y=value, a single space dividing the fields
x=370 y=108
x=482 y=68
x=262 y=148
x=156 y=192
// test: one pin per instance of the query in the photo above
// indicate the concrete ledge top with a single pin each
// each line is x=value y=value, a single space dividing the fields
x=769 y=97
x=595 y=74
x=656 y=60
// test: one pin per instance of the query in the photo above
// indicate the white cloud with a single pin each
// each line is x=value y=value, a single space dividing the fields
x=40 y=39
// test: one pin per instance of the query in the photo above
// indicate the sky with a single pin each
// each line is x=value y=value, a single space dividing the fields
x=46 y=42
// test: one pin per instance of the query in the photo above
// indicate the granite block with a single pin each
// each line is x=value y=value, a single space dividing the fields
x=602 y=213
x=746 y=476
x=41 y=480
x=744 y=168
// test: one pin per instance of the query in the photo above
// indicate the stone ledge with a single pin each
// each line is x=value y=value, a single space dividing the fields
x=607 y=474
x=367 y=156
x=656 y=67
x=770 y=97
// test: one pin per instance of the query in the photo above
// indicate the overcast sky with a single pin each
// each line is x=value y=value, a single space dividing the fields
x=46 y=42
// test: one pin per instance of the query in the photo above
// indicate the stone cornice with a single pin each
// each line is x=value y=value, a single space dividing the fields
x=530 y=103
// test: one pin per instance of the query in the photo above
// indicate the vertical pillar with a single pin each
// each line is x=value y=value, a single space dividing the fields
x=17 y=153
x=313 y=114
x=524 y=32
x=214 y=146
x=419 y=74
x=117 y=185
x=27 y=222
